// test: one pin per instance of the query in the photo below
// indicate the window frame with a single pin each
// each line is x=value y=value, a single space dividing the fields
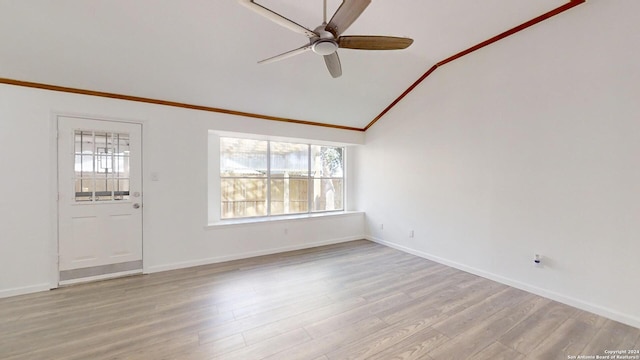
x=309 y=178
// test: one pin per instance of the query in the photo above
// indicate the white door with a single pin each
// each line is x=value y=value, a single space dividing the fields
x=100 y=199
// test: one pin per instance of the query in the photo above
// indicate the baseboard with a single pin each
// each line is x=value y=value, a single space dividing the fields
x=568 y=300
x=24 y=290
x=246 y=255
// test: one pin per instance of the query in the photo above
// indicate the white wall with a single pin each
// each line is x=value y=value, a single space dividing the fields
x=529 y=145
x=175 y=211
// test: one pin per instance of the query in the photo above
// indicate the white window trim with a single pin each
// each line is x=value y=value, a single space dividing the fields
x=278 y=218
x=215 y=220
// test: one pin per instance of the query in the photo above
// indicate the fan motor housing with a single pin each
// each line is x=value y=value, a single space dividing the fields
x=325 y=43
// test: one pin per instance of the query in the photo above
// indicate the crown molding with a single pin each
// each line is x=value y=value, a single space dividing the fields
x=168 y=103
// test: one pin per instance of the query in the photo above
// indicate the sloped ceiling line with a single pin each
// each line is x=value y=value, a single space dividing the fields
x=554 y=12
x=167 y=103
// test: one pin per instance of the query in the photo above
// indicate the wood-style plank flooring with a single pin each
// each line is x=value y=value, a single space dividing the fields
x=357 y=300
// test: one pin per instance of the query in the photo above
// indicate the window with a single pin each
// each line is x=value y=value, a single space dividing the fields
x=264 y=178
x=101 y=166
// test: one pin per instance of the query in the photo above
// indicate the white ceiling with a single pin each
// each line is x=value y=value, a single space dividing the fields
x=205 y=52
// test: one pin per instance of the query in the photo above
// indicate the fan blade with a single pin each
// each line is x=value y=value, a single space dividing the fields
x=333 y=64
x=346 y=14
x=277 y=18
x=374 y=42
x=288 y=54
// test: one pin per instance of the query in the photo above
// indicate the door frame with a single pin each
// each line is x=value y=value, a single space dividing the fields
x=54 y=250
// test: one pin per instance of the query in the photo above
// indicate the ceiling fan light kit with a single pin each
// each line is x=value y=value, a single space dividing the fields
x=325 y=39
x=324 y=47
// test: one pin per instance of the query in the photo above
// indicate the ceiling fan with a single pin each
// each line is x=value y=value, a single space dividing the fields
x=326 y=39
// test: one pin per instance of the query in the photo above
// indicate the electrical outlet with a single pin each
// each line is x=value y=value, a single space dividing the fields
x=411 y=233
x=286 y=231
x=537 y=259
x=381 y=226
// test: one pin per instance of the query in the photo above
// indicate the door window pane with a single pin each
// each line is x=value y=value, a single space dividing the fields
x=121 y=191
x=101 y=160
x=84 y=189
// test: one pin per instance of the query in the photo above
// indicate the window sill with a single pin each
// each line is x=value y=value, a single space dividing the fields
x=263 y=220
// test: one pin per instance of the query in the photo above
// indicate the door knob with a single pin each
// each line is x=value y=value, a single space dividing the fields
x=136 y=206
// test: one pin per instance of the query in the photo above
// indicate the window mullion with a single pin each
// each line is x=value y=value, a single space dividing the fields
x=94 y=166
x=268 y=178
x=343 y=180
x=310 y=181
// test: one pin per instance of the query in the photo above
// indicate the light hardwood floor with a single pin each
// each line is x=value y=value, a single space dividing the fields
x=357 y=300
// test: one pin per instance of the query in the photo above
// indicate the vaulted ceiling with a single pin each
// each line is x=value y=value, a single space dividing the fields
x=205 y=52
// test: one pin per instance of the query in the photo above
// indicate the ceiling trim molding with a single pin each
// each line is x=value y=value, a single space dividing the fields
x=545 y=16
x=168 y=103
